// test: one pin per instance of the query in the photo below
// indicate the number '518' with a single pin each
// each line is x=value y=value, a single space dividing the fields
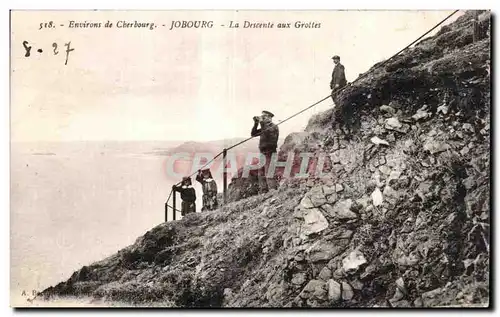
x=47 y=25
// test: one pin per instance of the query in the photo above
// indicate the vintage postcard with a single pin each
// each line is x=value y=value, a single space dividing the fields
x=255 y=159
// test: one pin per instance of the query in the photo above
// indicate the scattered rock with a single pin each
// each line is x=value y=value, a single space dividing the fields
x=369 y=272
x=331 y=199
x=264 y=211
x=306 y=202
x=328 y=190
x=468 y=127
x=353 y=261
x=394 y=175
x=228 y=292
x=386 y=170
x=341 y=233
x=423 y=190
x=318 y=198
x=324 y=251
x=377 y=140
x=387 y=109
x=393 y=123
x=314 y=289
x=377 y=197
x=325 y=274
x=469 y=183
x=432 y=133
x=299 y=279
x=434 y=146
x=390 y=194
x=450 y=218
x=421 y=114
x=339 y=188
x=442 y=109
x=356 y=284
x=341 y=210
x=400 y=284
x=424 y=163
x=464 y=151
x=314 y=221
x=409 y=260
x=376 y=178
x=298 y=212
x=261 y=237
x=418 y=302
x=299 y=257
x=363 y=201
x=347 y=291
x=382 y=160
x=401 y=304
x=409 y=146
x=334 y=290
x=368 y=210
x=427 y=297
x=335 y=159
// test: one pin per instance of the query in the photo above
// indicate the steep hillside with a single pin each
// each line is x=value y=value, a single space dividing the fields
x=401 y=218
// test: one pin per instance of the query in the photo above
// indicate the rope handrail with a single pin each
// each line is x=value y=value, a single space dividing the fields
x=337 y=91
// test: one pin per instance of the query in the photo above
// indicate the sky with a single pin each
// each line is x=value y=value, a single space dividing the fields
x=123 y=84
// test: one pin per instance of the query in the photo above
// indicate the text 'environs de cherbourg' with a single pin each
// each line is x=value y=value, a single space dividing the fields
x=196 y=24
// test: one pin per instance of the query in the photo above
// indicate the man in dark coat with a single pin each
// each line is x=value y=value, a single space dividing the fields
x=338 y=81
x=338 y=76
x=188 y=196
x=268 y=143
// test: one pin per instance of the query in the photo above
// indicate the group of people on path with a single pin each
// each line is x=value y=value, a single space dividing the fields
x=268 y=144
x=188 y=193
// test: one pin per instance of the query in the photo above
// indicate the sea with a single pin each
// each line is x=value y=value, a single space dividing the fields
x=74 y=203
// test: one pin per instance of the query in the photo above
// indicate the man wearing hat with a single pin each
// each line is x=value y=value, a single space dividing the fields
x=188 y=196
x=268 y=143
x=338 y=75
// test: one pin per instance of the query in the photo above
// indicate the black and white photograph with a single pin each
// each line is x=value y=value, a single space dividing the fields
x=283 y=159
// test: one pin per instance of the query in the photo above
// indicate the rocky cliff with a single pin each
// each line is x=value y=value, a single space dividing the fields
x=401 y=219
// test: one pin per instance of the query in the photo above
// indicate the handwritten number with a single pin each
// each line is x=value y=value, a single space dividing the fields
x=67 y=51
x=55 y=50
x=27 y=48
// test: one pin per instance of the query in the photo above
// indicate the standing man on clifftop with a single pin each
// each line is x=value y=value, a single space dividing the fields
x=338 y=76
x=268 y=143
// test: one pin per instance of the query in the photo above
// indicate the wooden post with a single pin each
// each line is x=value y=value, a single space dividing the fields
x=166 y=211
x=224 y=162
x=174 y=209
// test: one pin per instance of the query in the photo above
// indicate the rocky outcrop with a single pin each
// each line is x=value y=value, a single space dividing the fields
x=401 y=220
